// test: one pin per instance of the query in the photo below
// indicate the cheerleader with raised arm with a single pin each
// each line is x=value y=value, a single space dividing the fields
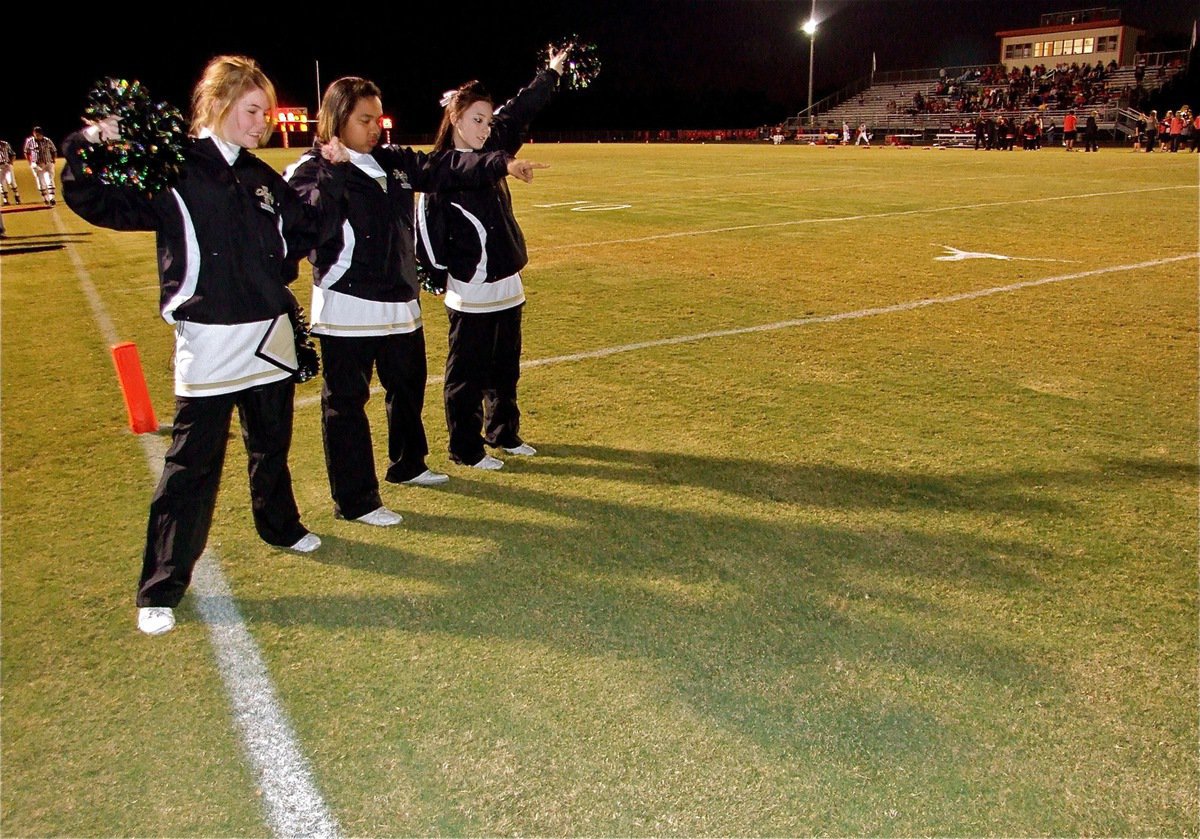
x=470 y=240
x=366 y=308
x=224 y=230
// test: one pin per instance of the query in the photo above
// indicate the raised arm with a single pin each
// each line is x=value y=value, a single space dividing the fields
x=310 y=198
x=105 y=205
x=449 y=170
x=511 y=120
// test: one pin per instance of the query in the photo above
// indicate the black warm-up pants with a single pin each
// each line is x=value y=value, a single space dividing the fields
x=400 y=361
x=482 y=368
x=182 y=508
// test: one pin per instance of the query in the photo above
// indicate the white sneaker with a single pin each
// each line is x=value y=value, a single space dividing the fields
x=381 y=517
x=156 y=620
x=308 y=543
x=428 y=478
x=489 y=462
x=523 y=449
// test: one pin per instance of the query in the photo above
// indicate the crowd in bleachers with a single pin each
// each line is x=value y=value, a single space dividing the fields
x=998 y=88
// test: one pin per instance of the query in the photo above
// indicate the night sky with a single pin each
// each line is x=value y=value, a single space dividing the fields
x=667 y=63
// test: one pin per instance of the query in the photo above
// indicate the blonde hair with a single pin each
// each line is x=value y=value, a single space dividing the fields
x=339 y=102
x=226 y=79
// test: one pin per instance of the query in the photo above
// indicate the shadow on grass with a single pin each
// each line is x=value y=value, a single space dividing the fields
x=754 y=619
x=39 y=243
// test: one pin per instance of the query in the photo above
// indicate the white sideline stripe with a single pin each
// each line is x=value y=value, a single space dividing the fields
x=293 y=805
x=855 y=315
x=833 y=219
x=909 y=306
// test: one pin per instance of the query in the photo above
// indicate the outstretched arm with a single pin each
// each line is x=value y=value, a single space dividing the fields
x=105 y=205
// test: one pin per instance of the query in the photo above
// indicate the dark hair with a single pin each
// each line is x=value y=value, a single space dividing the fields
x=338 y=103
x=459 y=100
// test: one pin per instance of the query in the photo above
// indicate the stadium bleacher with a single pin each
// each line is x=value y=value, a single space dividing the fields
x=886 y=102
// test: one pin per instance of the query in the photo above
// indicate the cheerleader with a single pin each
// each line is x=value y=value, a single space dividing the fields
x=223 y=233
x=471 y=240
x=366 y=309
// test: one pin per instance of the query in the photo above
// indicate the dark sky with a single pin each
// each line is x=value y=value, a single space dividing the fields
x=667 y=63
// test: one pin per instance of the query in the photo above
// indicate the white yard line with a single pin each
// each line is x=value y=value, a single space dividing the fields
x=294 y=806
x=907 y=306
x=708 y=231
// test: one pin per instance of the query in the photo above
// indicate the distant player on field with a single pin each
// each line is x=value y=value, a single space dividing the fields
x=8 y=179
x=40 y=153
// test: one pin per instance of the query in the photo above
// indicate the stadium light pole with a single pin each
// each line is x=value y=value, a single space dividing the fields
x=810 y=29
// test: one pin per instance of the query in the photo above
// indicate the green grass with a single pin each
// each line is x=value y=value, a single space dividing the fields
x=926 y=572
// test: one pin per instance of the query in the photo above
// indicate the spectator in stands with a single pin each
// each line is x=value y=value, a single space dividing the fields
x=1070 y=122
x=1091 y=132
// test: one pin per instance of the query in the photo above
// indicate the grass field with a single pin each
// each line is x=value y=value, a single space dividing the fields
x=912 y=561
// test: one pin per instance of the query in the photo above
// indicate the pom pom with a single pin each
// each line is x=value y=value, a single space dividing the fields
x=308 y=362
x=582 y=65
x=434 y=282
x=149 y=151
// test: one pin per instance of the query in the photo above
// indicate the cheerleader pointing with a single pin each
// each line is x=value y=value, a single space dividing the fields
x=366 y=309
x=471 y=240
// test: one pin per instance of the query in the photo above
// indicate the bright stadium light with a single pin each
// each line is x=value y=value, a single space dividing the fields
x=810 y=29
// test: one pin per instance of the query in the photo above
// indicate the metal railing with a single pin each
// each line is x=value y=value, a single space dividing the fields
x=1161 y=59
x=833 y=100
x=929 y=73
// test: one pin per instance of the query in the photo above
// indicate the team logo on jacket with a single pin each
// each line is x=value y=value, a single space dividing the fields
x=402 y=178
x=265 y=199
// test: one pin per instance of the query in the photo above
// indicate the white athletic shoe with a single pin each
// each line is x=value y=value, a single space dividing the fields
x=156 y=620
x=428 y=478
x=524 y=449
x=381 y=517
x=489 y=462
x=308 y=543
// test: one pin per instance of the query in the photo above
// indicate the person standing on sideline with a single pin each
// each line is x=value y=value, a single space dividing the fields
x=366 y=307
x=224 y=230
x=1176 y=122
x=1091 y=133
x=863 y=139
x=40 y=153
x=472 y=241
x=1070 y=126
x=1151 y=132
x=8 y=178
